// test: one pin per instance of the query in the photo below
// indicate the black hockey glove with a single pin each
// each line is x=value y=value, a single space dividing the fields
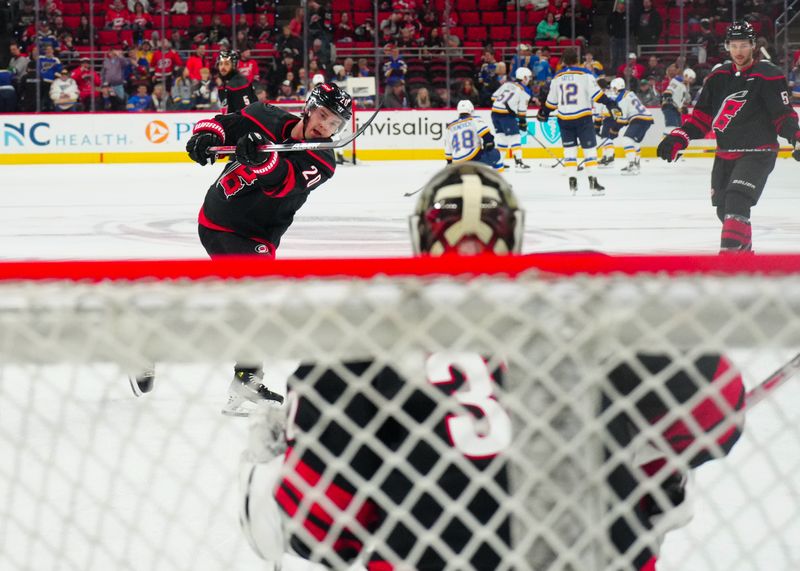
x=198 y=146
x=542 y=115
x=796 y=152
x=523 y=124
x=488 y=145
x=247 y=151
x=672 y=144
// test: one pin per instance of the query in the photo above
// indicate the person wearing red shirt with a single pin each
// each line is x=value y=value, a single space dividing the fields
x=248 y=67
x=197 y=61
x=633 y=67
x=117 y=16
x=165 y=60
x=88 y=82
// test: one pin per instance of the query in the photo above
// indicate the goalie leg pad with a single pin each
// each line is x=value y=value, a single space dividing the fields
x=260 y=516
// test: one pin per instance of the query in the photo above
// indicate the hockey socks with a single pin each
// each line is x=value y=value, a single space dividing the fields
x=736 y=234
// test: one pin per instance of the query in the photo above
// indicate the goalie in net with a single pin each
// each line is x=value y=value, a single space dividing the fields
x=412 y=464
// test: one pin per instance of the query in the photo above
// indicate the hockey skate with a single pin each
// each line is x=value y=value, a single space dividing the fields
x=142 y=382
x=596 y=188
x=246 y=392
x=632 y=168
x=607 y=162
x=573 y=185
x=520 y=166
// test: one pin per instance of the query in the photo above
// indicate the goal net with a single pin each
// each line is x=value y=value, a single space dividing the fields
x=538 y=412
x=347 y=152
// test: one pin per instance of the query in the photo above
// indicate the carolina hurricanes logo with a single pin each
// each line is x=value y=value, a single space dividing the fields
x=326 y=87
x=235 y=180
x=730 y=107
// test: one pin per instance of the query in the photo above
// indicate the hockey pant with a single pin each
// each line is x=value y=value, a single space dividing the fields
x=736 y=186
x=221 y=242
x=491 y=157
x=608 y=132
x=632 y=139
x=672 y=118
x=708 y=423
x=574 y=131
x=507 y=135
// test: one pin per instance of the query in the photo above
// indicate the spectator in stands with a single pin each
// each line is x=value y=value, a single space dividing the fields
x=18 y=63
x=29 y=84
x=216 y=31
x=365 y=32
x=648 y=94
x=49 y=65
x=547 y=28
x=344 y=30
x=390 y=27
x=58 y=29
x=160 y=97
x=422 y=99
x=487 y=78
x=593 y=65
x=140 y=101
x=302 y=82
x=542 y=70
x=165 y=61
x=523 y=58
x=248 y=66
x=502 y=73
x=722 y=11
x=117 y=16
x=617 y=23
x=700 y=10
x=283 y=68
x=144 y=55
x=632 y=69
x=179 y=7
x=197 y=61
x=349 y=70
x=261 y=31
x=182 y=92
x=25 y=19
x=363 y=68
x=113 y=72
x=197 y=32
x=708 y=50
x=108 y=100
x=434 y=44
x=395 y=96
x=140 y=21
x=395 y=66
x=557 y=8
x=179 y=41
x=45 y=37
x=206 y=95
x=64 y=92
x=408 y=38
x=8 y=94
x=288 y=41
x=68 y=51
x=794 y=83
x=88 y=82
x=296 y=23
x=287 y=92
x=649 y=25
x=83 y=32
x=339 y=76
x=466 y=90
x=261 y=94
x=655 y=70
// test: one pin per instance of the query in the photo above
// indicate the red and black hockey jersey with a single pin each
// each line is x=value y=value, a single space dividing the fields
x=260 y=202
x=746 y=109
x=236 y=93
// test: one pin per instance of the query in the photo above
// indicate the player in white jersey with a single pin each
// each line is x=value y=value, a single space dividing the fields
x=606 y=127
x=509 y=114
x=573 y=91
x=469 y=138
x=637 y=119
x=676 y=98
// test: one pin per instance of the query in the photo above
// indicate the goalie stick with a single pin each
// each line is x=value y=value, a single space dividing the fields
x=304 y=146
x=776 y=379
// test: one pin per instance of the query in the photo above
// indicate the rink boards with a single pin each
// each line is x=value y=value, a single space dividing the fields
x=412 y=134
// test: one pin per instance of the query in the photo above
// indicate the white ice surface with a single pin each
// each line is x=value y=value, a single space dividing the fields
x=149 y=211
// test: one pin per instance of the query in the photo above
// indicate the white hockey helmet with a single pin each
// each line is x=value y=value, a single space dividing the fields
x=317 y=79
x=523 y=74
x=465 y=107
x=467 y=209
x=689 y=74
x=617 y=84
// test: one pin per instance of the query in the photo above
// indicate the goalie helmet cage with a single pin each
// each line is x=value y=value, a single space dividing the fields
x=93 y=478
x=349 y=151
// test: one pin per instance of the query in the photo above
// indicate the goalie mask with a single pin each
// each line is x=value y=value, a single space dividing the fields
x=467 y=209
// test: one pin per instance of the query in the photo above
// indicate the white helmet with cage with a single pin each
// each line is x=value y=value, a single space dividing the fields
x=689 y=74
x=617 y=84
x=523 y=74
x=465 y=107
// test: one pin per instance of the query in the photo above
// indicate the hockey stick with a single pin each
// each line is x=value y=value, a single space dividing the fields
x=710 y=151
x=546 y=150
x=304 y=146
x=776 y=379
x=412 y=193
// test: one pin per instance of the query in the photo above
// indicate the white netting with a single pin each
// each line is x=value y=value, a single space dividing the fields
x=542 y=417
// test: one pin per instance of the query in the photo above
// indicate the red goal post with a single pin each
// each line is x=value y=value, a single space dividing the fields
x=93 y=478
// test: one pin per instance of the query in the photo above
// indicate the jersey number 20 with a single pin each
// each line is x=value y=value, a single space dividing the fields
x=478 y=392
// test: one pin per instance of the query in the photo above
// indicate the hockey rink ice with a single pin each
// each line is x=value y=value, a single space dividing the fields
x=116 y=211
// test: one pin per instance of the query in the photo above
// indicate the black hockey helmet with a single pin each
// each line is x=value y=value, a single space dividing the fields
x=332 y=98
x=467 y=208
x=228 y=55
x=740 y=30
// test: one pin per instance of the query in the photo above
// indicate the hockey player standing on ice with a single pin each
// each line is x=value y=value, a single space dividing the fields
x=468 y=138
x=606 y=127
x=572 y=93
x=746 y=104
x=510 y=115
x=254 y=200
x=638 y=120
x=676 y=99
x=235 y=91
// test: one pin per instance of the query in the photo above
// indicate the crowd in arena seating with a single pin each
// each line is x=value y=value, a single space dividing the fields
x=153 y=55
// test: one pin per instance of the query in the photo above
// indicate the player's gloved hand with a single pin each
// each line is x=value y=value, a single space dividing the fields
x=198 y=146
x=523 y=123
x=672 y=144
x=796 y=152
x=616 y=113
x=488 y=146
x=541 y=115
x=247 y=151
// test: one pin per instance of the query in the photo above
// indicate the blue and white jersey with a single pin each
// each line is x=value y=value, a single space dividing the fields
x=632 y=109
x=573 y=92
x=463 y=138
x=511 y=95
x=678 y=92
